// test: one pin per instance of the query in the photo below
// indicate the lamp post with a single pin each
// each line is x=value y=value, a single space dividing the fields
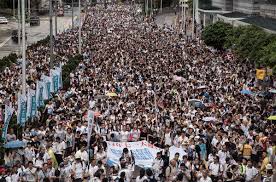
x=23 y=49
x=19 y=26
x=79 y=27
x=51 y=33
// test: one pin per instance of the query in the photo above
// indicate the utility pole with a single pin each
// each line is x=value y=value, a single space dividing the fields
x=151 y=13
x=19 y=26
x=13 y=8
x=56 y=8
x=79 y=27
x=193 y=23
x=23 y=50
x=184 y=23
x=29 y=10
x=161 y=6
x=72 y=14
x=51 y=33
x=146 y=7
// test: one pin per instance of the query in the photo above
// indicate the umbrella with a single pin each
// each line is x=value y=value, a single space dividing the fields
x=272 y=118
x=272 y=91
x=207 y=119
x=14 y=144
x=246 y=92
x=111 y=94
x=196 y=103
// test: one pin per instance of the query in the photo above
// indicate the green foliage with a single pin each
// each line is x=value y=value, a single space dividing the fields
x=71 y=65
x=248 y=42
x=216 y=34
x=8 y=61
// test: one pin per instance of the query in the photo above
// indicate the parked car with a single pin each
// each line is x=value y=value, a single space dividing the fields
x=67 y=7
x=34 y=21
x=3 y=20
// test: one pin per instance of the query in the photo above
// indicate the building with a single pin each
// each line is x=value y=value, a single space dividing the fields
x=261 y=13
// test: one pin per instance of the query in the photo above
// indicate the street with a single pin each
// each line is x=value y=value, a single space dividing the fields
x=34 y=33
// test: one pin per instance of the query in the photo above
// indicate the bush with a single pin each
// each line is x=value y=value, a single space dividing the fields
x=215 y=35
x=8 y=61
x=68 y=68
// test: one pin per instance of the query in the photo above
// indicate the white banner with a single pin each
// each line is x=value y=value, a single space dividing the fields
x=173 y=150
x=90 y=117
x=144 y=153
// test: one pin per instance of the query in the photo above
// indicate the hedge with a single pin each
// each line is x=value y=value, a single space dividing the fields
x=248 y=42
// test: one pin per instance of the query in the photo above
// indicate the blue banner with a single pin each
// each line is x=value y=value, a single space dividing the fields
x=56 y=75
x=22 y=110
x=39 y=94
x=31 y=103
x=8 y=115
x=47 y=87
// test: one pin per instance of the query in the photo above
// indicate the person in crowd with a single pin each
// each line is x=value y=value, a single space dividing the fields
x=144 y=83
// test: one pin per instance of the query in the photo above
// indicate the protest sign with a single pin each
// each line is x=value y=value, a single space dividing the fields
x=143 y=152
x=173 y=150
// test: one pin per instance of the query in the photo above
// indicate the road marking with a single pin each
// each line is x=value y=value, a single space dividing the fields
x=5 y=41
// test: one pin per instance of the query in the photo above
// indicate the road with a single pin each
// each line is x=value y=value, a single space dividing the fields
x=34 y=33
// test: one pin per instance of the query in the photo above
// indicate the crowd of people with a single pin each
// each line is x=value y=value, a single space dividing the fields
x=167 y=90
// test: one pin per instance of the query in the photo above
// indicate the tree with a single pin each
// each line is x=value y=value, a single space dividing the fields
x=269 y=55
x=215 y=35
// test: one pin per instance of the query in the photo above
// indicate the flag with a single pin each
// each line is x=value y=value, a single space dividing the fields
x=90 y=117
x=31 y=103
x=47 y=86
x=39 y=94
x=260 y=74
x=8 y=115
x=22 y=109
x=59 y=71
x=56 y=75
x=53 y=158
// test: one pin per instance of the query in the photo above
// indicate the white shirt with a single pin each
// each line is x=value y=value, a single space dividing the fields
x=208 y=179
x=92 y=170
x=142 y=179
x=58 y=148
x=83 y=155
x=215 y=169
x=250 y=173
x=157 y=165
x=124 y=136
x=30 y=174
x=168 y=139
x=78 y=168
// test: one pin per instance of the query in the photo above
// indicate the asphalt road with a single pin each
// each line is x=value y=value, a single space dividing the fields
x=34 y=33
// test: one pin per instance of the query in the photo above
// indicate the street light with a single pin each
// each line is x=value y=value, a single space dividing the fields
x=51 y=33
x=19 y=26
x=23 y=50
x=79 y=27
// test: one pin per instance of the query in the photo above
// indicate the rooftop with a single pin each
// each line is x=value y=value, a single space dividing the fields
x=263 y=22
x=235 y=15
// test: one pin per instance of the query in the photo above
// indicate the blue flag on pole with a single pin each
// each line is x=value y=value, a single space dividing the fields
x=22 y=110
x=47 y=86
x=8 y=115
x=39 y=94
x=31 y=103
